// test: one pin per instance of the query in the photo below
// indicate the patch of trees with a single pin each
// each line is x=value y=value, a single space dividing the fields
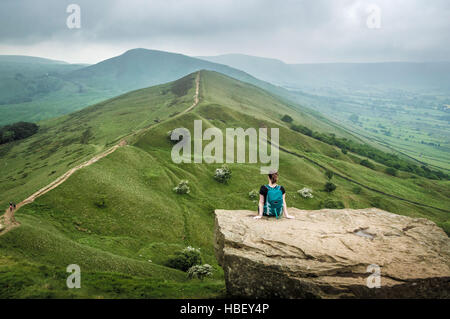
x=367 y=163
x=286 y=118
x=17 y=131
x=387 y=159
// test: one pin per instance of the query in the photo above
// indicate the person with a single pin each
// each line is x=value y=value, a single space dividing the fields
x=272 y=199
x=10 y=206
x=14 y=205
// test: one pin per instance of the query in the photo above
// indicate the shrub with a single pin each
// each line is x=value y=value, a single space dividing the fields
x=200 y=271
x=391 y=171
x=329 y=175
x=169 y=137
x=185 y=259
x=286 y=118
x=344 y=151
x=330 y=203
x=253 y=195
x=302 y=129
x=223 y=174
x=305 y=192
x=356 y=190
x=17 y=131
x=330 y=187
x=100 y=202
x=182 y=188
x=367 y=163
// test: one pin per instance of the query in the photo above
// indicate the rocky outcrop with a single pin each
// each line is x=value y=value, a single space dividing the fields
x=332 y=254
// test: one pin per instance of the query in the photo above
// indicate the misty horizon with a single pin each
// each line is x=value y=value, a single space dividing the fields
x=225 y=54
x=299 y=32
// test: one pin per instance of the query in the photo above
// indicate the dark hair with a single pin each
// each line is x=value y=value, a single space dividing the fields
x=273 y=176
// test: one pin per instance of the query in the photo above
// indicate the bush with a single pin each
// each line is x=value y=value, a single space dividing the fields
x=305 y=192
x=17 y=131
x=169 y=137
x=100 y=202
x=200 y=271
x=253 y=195
x=330 y=187
x=329 y=175
x=367 y=163
x=185 y=259
x=330 y=203
x=356 y=190
x=391 y=171
x=223 y=174
x=182 y=188
x=344 y=151
x=302 y=129
x=286 y=118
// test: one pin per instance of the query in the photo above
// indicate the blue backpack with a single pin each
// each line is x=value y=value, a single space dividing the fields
x=274 y=201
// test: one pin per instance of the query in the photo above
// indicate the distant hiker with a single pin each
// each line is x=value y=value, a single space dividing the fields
x=10 y=206
x=272 y=199
x=14 y=204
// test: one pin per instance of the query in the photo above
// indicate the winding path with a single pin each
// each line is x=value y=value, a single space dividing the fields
x=8 y=222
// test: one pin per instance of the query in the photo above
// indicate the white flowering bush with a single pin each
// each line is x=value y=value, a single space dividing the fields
x=223 y=174
x=185 y=259
x=200 y=271
x=305 y=192
x=190 y=249
x=182 y=188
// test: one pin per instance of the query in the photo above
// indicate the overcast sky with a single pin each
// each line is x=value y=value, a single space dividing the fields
x=300 y=31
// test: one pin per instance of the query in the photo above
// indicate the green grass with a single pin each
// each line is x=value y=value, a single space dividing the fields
x=61 y=143
x=409 y=121
x=142 y=219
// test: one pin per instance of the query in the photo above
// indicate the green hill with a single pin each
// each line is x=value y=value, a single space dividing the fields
x=119 y=218
x=397 y=106
x=34 y=89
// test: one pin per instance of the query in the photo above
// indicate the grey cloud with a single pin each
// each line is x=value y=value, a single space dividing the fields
x=296 y=31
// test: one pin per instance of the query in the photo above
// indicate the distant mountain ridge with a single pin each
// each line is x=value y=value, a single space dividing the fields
x=70 y=87
x=414 y=74
x=28 y=59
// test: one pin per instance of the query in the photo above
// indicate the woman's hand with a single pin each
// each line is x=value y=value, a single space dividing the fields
x=290 y=216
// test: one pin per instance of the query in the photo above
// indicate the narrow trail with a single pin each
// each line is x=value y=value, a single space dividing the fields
x=196 y=99
x=8 y=221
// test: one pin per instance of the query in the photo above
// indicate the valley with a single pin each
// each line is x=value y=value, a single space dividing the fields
x=399 y=107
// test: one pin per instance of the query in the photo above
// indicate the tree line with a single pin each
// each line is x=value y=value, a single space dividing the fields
x=387 y=159
x=17 y=131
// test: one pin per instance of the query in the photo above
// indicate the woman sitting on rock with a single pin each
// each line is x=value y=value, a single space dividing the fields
x=272 y=199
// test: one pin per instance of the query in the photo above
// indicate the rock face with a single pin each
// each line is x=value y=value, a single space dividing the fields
x=326 y=254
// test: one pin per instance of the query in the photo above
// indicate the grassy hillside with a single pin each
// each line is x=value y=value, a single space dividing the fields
x=34 y=89
x=400 y=107
x=119 y=218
